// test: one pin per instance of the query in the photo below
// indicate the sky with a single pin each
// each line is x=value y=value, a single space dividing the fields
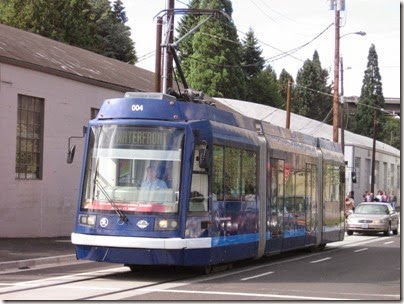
x=284 y=25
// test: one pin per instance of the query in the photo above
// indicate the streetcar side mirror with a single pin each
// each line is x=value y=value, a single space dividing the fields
x=203 y=156
x=72 y=149
x=70 y=154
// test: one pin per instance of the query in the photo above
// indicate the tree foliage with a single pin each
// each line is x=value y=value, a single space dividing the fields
x=370 y=101
x=261 y=85
x=212 y=64
x=252 y=61
x=89 y=24
x=263 y=88
x=391 y=133
x=111 y=33
x=187 y=23
x=312 y=95
x=284 y=77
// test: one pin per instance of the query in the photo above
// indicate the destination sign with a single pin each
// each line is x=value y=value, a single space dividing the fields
x=140 y=137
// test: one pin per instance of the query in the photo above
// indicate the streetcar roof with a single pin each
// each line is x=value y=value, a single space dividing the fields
x=299 y=123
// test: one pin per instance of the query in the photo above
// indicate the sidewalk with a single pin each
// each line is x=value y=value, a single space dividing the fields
x=24 y=253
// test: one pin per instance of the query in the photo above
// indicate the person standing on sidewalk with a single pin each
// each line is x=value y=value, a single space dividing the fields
x=392 y=200
x=349 y=206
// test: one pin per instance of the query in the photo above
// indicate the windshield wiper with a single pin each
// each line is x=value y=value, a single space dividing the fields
x=118 y=211
x=96 y=183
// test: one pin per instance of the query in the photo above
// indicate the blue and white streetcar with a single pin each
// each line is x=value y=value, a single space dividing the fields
x=226 y=187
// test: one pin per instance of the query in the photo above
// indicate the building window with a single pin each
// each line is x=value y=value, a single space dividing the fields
x=358 y=169
x=30 y=120
x=367 y=172
x=398 y=177
x=377 y=172
x=392 y=175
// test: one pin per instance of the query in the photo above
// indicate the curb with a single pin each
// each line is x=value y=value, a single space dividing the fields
x=31 y=263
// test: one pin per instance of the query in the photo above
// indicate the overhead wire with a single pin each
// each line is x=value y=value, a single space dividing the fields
x=282 y=54
x=146 y=56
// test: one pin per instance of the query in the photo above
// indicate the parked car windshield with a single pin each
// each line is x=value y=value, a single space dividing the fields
x=371 y=209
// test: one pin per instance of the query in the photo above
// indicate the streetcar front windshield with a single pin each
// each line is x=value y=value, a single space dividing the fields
x=133 y=169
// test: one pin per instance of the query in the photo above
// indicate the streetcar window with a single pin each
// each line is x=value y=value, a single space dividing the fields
x=218 y=163
x=234 y=174
x=135 y=169
x=198 y=197
x=275 y=223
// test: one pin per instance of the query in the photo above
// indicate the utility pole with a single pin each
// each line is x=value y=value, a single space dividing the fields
x=372 y=179
x=157 y=66
x=342 y=109
x=170 y=24
x=288 y=97
x=337 y=7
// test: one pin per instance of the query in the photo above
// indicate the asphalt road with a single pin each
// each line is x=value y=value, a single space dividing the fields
x=359 y=268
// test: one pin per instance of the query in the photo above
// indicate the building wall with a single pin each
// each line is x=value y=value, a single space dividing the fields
x=385 y=180
x=47 y=207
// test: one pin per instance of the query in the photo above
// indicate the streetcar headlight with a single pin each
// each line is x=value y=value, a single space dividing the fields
x=166 y=224
x=87 y=219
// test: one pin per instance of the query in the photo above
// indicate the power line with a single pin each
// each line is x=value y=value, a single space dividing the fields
x=310 y=89
x=300 y=47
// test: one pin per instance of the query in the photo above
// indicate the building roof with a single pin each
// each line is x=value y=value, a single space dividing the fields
x=25 y=49
x=302 y=124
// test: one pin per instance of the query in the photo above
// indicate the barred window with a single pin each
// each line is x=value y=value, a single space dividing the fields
x=30 y=120
x=358 y=169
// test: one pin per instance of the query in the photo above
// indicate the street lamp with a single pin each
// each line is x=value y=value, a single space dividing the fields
x=336 y=80
x=336 y=76
x=360 y=33
x=342 y=107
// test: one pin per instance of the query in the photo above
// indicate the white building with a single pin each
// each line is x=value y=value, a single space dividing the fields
x=48 y=91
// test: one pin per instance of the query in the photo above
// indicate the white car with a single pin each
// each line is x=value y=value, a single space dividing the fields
x=373 y=217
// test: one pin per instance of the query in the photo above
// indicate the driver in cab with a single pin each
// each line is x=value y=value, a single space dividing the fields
x=151 y=181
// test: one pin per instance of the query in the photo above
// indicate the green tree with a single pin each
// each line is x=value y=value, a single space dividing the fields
x=216 y=55
x=391 y=133
x=284 y=77
x=311 y=96
x=370 y=100
x=261 y=85
x=112 y=36
x=185 y=49
x=252 y=61
x=263 y=88
x=65 y=20
x=89 y=24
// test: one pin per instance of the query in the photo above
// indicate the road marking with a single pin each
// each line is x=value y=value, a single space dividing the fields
x=66 y=278
x=359 y=250
x=388 y=242
x=322 y=260
x=257 y=276
x=245 y=294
